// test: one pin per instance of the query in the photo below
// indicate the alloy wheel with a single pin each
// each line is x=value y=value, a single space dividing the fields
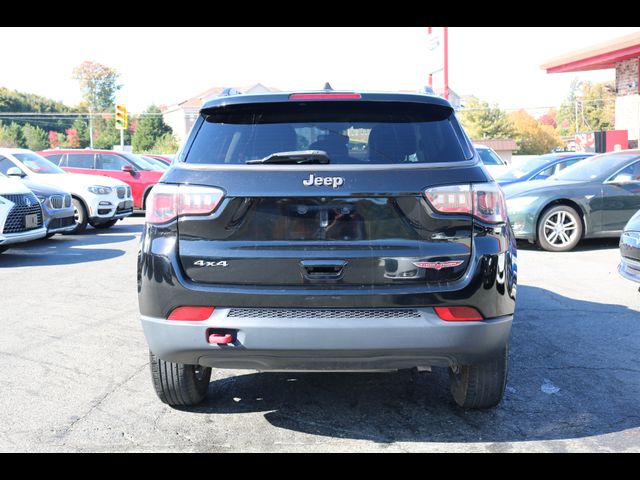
x=560 y=228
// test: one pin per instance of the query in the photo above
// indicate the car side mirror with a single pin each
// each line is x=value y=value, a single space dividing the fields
x=15 y=172
x=128 y=169
x=622 y=178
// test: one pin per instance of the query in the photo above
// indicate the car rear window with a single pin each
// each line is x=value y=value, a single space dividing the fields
x=349 y=132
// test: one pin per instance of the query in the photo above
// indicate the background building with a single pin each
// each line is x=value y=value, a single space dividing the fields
x=623 y=54
x=503 y=147
x=181 y=116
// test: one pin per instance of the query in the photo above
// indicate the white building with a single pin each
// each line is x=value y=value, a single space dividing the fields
x=181 y=116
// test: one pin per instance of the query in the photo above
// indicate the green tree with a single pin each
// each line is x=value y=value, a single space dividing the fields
x=15 y=131
x=7 y=137
x=11 y=136
x=35 y=137
x=81 y=126
x=166 y=144
x=532 y=137
x=105 y=134
x=150 y=129
x=590 y=105
x=484 y=121
x=98 y=84
x=13 y=101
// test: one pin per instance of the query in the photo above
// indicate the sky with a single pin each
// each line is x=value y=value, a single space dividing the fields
x=167 y=65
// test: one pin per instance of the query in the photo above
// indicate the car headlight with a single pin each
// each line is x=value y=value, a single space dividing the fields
x=519 y=203
x=41 y=199
x=99 y=190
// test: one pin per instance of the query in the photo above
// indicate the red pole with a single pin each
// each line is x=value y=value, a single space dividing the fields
x=446 y=63
x=431 y=74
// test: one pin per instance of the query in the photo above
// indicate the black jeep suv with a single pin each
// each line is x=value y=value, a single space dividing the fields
x=327 y=231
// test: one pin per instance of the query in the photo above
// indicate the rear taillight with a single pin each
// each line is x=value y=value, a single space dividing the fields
x=488 y=203
x=458 y=314
x=450 y=199
x=191 y=314
x=168 y=202
x=485 y=201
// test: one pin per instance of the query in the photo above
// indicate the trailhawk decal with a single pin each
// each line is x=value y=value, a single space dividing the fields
x=439 y=265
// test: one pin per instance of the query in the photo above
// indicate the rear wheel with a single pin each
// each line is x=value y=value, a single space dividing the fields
x=177 y=384
x=80 y=216
x=108 y=224
x=480 y=385
x=559 y=229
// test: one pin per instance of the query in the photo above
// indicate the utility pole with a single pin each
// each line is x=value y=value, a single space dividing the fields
x=446 y=63
x=90 y=128
x=430 y=74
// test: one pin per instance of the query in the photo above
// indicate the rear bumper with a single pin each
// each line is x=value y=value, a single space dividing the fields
x=8 y=239
x=332 y=343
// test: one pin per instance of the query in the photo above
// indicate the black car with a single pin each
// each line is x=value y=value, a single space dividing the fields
x=276 y=242
x=630 y=249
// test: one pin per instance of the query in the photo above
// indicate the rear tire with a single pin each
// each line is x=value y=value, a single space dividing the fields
x=481 y=385
x=568 y=233
x=177 y=384
x=81 y=217
x=103 y=225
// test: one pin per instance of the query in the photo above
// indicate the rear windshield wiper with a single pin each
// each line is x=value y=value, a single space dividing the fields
x=300 y=156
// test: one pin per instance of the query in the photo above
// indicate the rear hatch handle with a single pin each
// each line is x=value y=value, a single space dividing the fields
x=323 y=269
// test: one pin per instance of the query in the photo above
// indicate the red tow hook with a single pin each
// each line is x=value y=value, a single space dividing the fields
x=220 y=338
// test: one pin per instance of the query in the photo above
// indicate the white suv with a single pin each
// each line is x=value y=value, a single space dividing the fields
x=20 y=214
x=98 y=201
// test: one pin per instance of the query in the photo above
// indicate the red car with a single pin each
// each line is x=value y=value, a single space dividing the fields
x=129 y=168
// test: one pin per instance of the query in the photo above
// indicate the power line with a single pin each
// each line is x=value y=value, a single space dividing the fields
x=76 y=114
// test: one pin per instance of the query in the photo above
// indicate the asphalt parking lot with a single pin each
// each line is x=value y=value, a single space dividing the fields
x=75 y=369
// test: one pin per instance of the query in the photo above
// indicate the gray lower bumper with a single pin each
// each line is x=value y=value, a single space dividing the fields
x=328 y=343
x=629 y=269
x=12 y=238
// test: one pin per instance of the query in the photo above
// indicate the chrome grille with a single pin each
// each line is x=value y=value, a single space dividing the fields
x=67 y=201
x=323 y=313
x=25 y=204
x=56 y=201
x=122 y=191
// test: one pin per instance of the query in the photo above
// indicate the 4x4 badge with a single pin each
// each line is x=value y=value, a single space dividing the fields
x=439 y=265
x=334 y=182
x=203 y=263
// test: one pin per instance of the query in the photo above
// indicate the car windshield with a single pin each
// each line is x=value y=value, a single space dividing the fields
x=349 y=133
x=594 y=168
x=158 y=164
x=528 y=167
x=139 y=162
x=37 y=164
x=488 y=157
